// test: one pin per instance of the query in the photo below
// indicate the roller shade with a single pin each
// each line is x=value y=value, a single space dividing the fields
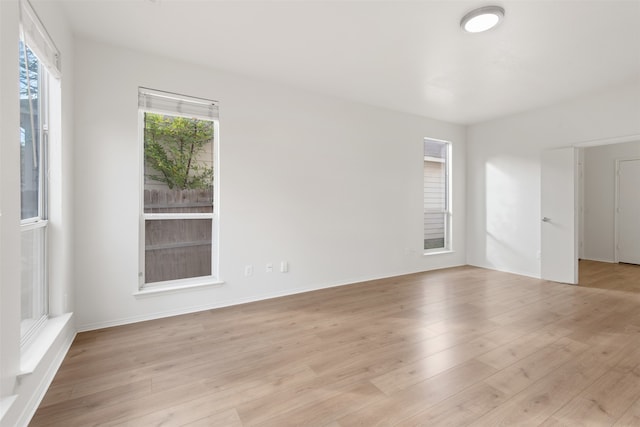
x=157 y=101
x=36 y=37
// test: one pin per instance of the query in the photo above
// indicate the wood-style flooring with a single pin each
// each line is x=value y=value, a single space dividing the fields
x=455 y=347
x=606 y=275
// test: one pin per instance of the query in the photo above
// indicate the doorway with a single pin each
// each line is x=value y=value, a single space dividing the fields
x=598 y=203
x=593 y=231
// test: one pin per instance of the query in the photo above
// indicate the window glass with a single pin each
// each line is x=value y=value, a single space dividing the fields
x=31 y=95
x=33 y=292
x=178 y=194
x=177 y=249
x=178 y=169
x=33 y=191
x=436 y=195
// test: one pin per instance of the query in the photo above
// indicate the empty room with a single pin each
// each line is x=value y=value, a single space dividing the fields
x=319 y=213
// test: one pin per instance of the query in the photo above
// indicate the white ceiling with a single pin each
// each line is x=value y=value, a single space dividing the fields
x=409 y=56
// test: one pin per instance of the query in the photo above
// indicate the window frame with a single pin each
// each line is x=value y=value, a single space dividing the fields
x=447 y=211
x=175 y=284
x=40 y=221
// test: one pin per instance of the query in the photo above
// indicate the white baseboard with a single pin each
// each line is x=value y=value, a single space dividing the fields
x=610 y=261
x=239 y=301
x=504 y=270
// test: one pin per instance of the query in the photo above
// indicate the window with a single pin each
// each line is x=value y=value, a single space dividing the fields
x=39 y=66
x=437 y=205
x=178 y=244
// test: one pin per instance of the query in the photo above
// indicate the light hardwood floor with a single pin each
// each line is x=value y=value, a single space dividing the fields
x=461 y=346
x=606 y=275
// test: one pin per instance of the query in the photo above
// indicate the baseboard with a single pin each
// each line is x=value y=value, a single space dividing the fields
x=504 y=270
x=239 y=301
x=610 y=261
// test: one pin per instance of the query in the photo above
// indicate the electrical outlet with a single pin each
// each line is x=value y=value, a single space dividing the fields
x=269 y=268
x=284 y=267
x=248 y=270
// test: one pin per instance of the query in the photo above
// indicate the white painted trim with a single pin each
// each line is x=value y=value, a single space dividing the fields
x=230 y=303
x=143 y=288
x=433 y=159
x=215 y=231
x=177 y=286
x=178 y=105
x=616 y=203
x=68 y=334
x=34 y=352
x=578 y=200
x=598 y=260
x=436 y=139
x=438 y=251
x=165 y=216
x=33 y=31
x=504 y=270
x=141 y=224
x=33 y=223
x=448 y=211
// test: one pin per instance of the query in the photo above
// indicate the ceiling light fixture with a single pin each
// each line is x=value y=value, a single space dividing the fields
x=482 y=19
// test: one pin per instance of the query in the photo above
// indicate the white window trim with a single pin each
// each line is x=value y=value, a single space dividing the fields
x=161 y=216
x=34 y=352
x=40 y=42
x=30 y=19
x=173 y=286
x=448 y=227
x=173 y=104
x=210 y=114
x=33 y=223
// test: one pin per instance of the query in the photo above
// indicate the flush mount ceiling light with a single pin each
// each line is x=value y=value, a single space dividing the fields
x=482 y=19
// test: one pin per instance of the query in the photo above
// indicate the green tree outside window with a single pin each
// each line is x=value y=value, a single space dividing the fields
x=172 y=148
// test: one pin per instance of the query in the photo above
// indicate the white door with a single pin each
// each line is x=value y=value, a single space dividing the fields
x=628 y=211
x=559 y=257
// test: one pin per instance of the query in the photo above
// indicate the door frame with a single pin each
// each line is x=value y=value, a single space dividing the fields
x=579 y=197
x=616 y=212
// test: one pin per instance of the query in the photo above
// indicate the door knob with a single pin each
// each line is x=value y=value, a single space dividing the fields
x=545 y=219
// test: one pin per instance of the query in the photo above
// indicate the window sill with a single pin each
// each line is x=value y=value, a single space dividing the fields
x=171 y=288
x=439 y=252
x=32 y=354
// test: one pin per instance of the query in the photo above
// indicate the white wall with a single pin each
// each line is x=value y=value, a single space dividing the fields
x=503 y=170
x=9 y=197
x=19 y=399
x=332 y=187
x=599 y=198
